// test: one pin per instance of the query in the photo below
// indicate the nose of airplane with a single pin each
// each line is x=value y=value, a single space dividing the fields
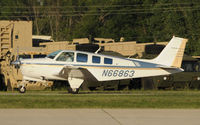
x=16 y=63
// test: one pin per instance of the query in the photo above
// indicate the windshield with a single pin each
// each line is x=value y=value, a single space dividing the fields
x=66 y=56
x=53 y=54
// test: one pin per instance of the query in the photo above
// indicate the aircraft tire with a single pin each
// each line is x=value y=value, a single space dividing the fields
x=3 y=86
x=22 y=89
x=73 y=91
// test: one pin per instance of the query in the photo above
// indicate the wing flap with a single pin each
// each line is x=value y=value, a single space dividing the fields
x=167 y=67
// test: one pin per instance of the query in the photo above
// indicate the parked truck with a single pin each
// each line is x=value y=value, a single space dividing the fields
x=188 y=79
x=16 y=42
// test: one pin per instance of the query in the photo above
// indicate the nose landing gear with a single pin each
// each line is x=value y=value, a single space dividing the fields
x=22 y=89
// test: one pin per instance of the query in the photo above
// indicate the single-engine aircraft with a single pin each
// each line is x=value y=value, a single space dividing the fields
x=77 y=66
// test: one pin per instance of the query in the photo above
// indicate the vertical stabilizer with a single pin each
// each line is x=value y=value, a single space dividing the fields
x=172 y=54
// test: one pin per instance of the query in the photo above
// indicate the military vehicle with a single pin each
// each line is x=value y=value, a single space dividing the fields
x=126 y=49
x=189 y=79
x=16 y=42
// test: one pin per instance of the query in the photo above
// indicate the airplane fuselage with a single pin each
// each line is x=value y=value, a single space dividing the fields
x=102 y=67
x=76 y=66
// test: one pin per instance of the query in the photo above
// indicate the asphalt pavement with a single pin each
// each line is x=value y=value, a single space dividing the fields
x=99 y=116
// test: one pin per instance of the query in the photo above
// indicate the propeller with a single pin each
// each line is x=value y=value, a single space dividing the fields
x=17 y=62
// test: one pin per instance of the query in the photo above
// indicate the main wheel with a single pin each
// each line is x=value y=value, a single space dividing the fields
x=22 y=89
x=73 y=90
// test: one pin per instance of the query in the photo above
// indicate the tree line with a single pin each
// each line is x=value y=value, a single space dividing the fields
x=135 y=20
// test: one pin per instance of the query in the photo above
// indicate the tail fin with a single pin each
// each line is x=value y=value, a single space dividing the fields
x=172 y=54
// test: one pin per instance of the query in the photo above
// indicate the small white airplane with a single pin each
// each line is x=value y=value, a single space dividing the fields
x=77 y=66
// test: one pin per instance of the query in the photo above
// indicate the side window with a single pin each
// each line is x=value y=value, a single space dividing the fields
x=108 y=61
x=66 y=56
x=82 y=57
x=96 y=59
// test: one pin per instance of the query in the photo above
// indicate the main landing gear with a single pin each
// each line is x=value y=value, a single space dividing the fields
x=73 y=90
x=74 y=84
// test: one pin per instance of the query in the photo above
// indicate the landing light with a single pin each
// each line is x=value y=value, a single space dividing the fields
x=165 y=78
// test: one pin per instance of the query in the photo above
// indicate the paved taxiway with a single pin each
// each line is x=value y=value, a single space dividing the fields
x=99 y=117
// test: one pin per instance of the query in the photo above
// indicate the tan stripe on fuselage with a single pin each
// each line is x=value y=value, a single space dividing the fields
x=102 y=67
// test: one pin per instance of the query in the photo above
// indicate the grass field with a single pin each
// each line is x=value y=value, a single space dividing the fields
x=127 y=99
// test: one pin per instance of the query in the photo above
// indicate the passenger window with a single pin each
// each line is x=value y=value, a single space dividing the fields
x=82 y=57
x=108 y=61
x=96 y=59
x=66 y=56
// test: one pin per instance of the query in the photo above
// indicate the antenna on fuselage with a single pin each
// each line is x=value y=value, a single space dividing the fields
x=98 y=50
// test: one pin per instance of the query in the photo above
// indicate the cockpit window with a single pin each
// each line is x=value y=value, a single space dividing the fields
x=53 y=55
x=66 y=56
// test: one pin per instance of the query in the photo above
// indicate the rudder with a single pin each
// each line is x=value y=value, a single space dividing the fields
x=172 y=54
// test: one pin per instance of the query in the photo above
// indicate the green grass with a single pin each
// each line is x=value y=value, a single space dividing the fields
x=130 y=99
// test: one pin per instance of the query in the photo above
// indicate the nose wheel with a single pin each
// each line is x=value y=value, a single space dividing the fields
x=22 y=89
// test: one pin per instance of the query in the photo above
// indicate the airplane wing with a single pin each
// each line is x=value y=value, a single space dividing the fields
x=94 y=74
x=75 y=75
x=71 y=71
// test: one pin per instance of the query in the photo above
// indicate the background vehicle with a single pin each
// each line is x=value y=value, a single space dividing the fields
x=16 y=40
x=189 y=79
